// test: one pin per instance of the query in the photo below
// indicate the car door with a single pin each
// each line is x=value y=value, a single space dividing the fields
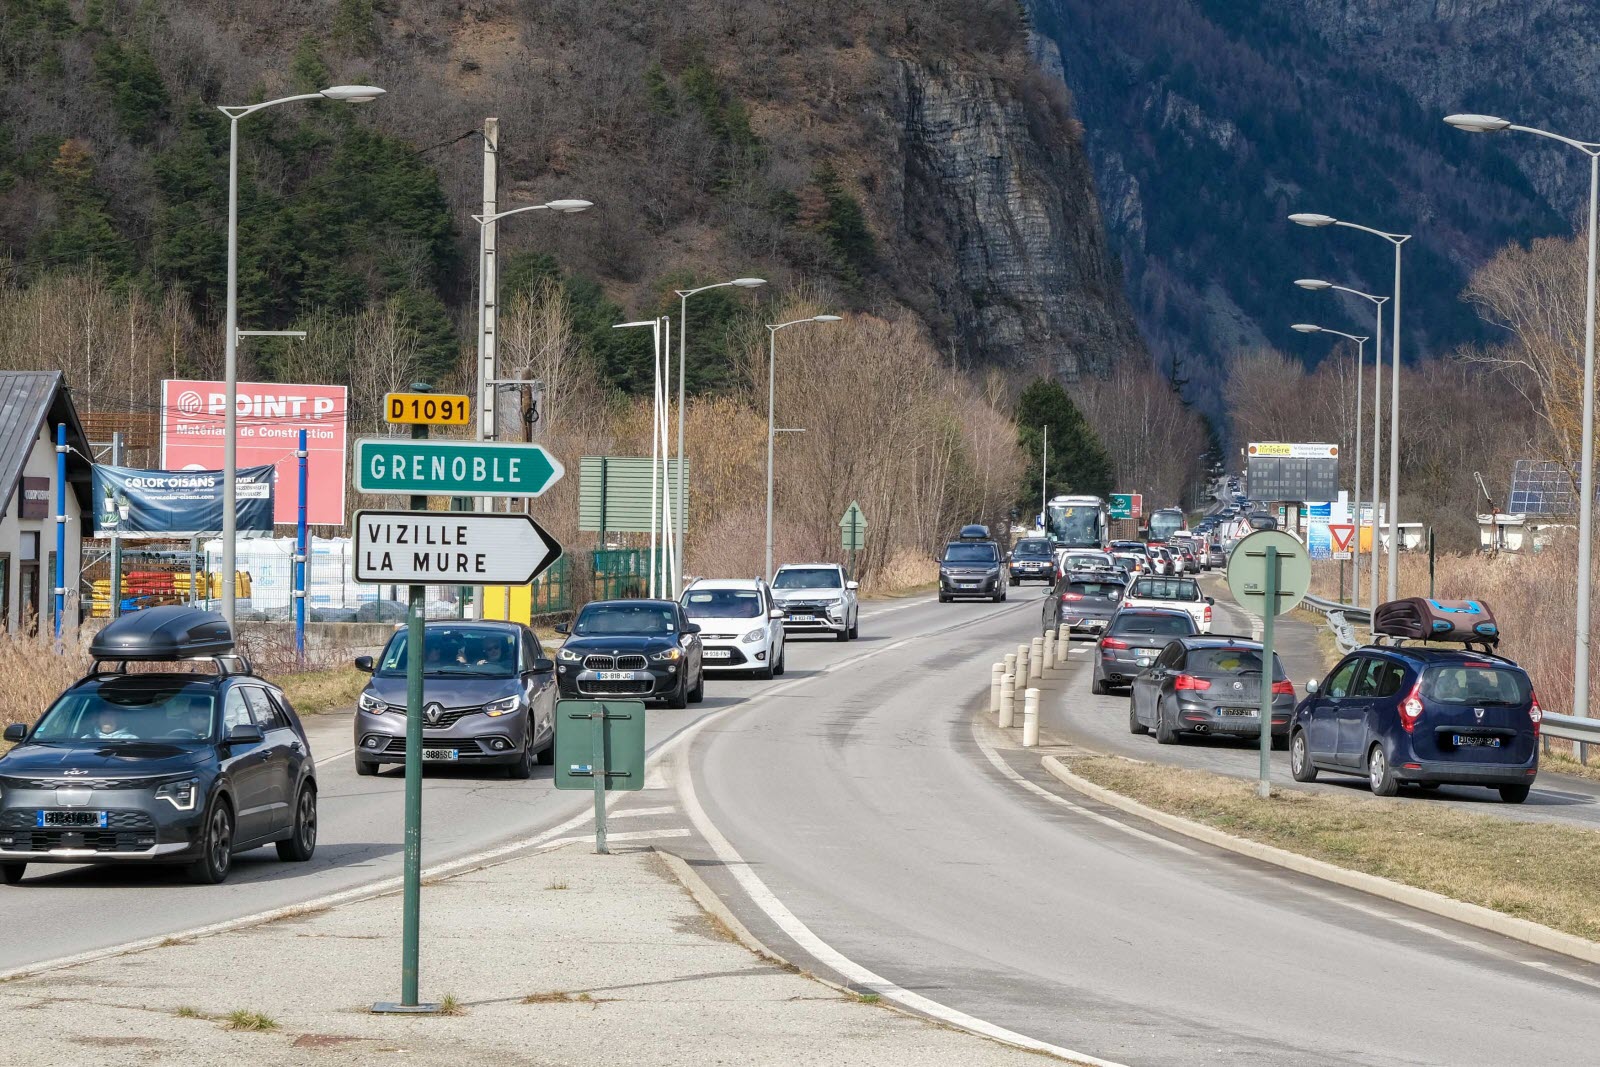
x=1158 y=679
x=281 y=744
x=691 y=646
x=247 y=768
x=775 y=626
x=1322 y=732
x=1380 y=681
x=540 y=688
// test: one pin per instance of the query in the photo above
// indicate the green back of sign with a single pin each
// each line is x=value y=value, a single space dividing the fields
x=624 y=743
x=1247 y=572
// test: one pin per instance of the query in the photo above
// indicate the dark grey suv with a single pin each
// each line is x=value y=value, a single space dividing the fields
x=170 y=767
x=488 y=697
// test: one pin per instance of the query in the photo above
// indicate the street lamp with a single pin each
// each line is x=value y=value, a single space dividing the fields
x=772 y=394
x=661 y=521
x=1318 y=285
x=488 y=334
x=1361 y=358
x=683 y=362
x=1580 y=663
x=1396 y=239
x=351 y=94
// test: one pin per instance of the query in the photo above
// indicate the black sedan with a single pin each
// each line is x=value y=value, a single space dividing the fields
x=632 y=648
x=1084 y=602
x=1132 y=641
x=1209 y=685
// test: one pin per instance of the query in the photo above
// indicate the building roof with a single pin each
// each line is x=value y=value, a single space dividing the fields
x=29 y=401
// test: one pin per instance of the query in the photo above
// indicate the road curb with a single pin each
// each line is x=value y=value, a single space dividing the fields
x=1426 y=900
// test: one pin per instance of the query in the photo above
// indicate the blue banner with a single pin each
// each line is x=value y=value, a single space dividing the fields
x=136 y=503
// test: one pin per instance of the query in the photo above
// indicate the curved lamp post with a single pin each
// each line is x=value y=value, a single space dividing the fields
x=1361 y=358
x=772 y=394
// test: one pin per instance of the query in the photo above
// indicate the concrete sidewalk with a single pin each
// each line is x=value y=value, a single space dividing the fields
x=562 y=957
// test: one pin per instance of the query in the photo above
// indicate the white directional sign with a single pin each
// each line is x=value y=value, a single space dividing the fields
x=450 y=548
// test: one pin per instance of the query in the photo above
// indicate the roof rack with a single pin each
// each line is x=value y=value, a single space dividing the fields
x=227 y=665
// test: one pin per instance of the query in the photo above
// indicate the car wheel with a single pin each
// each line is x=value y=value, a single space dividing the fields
x=1380 y=775
x=522 y=770
x=1300 y=765
x=855 y=627
x=842 y=635
x=365 y=768
x=696 y=695
x=1514 y=794
x=766 y=672
x=680 y=696
x=943 y=599
x=12 y=873
x=777 y=668
x=216 y=845
x=1134 y=725
x=303 y=842
x=1165 y=734
x=1097 y=686
x=1280 y=742
x=1015 y=582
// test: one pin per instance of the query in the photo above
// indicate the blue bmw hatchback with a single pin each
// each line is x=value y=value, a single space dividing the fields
x=1405 y=715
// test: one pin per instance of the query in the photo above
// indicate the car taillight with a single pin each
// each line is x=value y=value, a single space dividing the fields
x=1284 y=688
x=1411 y=708
x=1189 y=681
x=1113 y=642
x=1208 y=613
x=1071 y=596
x=1535 y=712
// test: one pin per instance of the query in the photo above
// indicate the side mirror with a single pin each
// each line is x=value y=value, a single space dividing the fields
x=563 y=628
x=1213 y=600
x=246 y=733
x=852 y=585
x=543 y=666
x=691 y=628
x=364 y=663
x=16 y=732
x=1312 y=687
x=777 y=613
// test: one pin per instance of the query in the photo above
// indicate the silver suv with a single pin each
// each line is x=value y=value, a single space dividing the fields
x=817 y=598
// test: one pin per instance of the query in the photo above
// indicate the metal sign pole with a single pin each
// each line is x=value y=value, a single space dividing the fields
x=597 y=722
x=1268 y=614
x=116 y=542
x=300 y=560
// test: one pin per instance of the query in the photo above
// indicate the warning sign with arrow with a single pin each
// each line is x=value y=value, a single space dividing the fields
x=1343 y=536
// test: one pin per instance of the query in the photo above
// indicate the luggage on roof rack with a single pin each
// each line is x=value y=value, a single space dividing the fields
x=975 y=532
x=167 y=633
x=1419 y=618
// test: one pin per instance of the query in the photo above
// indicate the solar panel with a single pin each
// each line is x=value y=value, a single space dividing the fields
x=1539 y=487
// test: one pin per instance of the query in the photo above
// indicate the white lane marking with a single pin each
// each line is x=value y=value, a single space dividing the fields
x=631 y=835
x=853 y=972
x=635 y=813
x=653 y=779
x=1077 y=651
x=1033 y=787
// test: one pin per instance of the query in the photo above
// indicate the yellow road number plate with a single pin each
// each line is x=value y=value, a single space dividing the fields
x=427 y=409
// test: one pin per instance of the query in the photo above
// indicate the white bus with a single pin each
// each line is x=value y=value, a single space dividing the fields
x=1078 y=522
x=1165 y=523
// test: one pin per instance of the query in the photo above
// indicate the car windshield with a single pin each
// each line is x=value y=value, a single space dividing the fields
x=807 y=578
x=1089 y=559
x=1104 y=590
x=1032 y=549
x=722 y=603
x=455 y=651
x=135 y=708
x=1475 y=683
x=625 y=619
x=1231 y=661
x=1166 y=589
x=966 y=552
x=1157 y=625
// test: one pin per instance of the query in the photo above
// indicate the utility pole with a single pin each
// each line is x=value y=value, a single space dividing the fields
x=487 y=308
x=1044 y=477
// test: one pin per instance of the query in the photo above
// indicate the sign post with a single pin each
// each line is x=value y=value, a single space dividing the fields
x=853 y=533
x=608 y=755
x=1268 y=573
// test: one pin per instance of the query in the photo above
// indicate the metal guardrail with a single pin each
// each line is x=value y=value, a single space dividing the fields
x=1342 y=620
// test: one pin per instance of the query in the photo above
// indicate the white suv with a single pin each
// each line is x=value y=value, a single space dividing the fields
x=741 y=627
x=818 y=599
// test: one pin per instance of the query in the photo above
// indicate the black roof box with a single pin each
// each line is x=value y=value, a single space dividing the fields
x=975 y=532
x=167 y=633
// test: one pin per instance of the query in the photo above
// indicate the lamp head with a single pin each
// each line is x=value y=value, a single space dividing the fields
x=825 y=318
x=1306 y=219
x=569 y=207
x=1305 y=327
x=1478 y=123
x=749 y=283
x=352 y=94
x=1314 y=284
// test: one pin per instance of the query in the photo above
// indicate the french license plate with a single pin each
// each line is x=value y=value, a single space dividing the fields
x=1242 y=712
x=716 y=653
x=1143 y=661
x=1473 y=741
x=802 y=618
x=441 y=754
x=616 y=676
x=91 y=819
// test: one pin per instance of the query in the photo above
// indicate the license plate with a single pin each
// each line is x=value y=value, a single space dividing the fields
x=1143 y=661
x=93 y=819
x=1472 y=741
x=802 y=618
x=443 y=754
x=1251 y=712
x=616 y=676
x=716 y=653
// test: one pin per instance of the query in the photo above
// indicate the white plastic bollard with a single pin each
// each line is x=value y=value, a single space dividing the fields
x=1011 y=666
x=1030 y=718
x=1022 y=667
x=1036 y=658
x=1050 y=651
x=1008 y=703
x=996 y=673
x=1064 y=636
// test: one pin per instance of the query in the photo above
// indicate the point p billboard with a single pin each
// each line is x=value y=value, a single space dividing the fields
x=270 y=418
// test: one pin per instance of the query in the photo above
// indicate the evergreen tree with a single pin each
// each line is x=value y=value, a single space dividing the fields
x=1078 y=461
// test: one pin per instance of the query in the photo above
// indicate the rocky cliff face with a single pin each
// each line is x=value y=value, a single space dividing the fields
x=1002 y=233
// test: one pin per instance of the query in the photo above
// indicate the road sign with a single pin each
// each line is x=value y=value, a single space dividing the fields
x=1127 y=505
x=1280 y=470
x=450 y=548
x=426 y=409
x=599 y=746
x=1247 y=572
x=395 y=465
x=1344 y=536
x=853 y=528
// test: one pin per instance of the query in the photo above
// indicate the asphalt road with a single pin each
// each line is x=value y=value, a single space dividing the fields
x=869 y=813
x=63 y=910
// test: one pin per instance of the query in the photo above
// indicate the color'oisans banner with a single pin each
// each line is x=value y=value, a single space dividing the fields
x=136 y=503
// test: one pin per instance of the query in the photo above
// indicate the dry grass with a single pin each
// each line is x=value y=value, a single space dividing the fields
x=905 y=571
x=1547 y=873
x=34 y=676
x=319 y=691
x=450 y=1005
x=558 y=996
x=243 y=1019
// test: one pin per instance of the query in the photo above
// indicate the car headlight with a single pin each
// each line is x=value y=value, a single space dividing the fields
x=180 y=794
x=671 y=655
x=369 y=702
x=752 y=637
x=506 y=706
x=566 y=655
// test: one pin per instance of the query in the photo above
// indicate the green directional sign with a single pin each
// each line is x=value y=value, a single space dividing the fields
x=399 y=465
x=853 y=528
